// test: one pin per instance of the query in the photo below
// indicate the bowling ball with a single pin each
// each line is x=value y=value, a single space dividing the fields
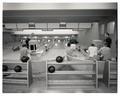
x=5 y=68
x=18 y=68
x=24 y=58
x=85 y=49
x=51 y=69
x=59 y=59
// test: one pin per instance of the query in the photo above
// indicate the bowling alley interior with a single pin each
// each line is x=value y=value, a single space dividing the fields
x=59 y=48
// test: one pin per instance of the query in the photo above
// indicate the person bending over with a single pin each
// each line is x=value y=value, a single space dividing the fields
x=24 y=51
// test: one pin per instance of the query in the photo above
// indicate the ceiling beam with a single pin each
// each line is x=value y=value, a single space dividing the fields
x=58 y=6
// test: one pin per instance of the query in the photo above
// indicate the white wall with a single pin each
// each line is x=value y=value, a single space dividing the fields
x=86 y=36
x=111 y=28
x=8 y=38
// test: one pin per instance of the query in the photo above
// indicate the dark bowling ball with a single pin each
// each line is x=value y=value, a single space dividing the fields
x=85 y=49
x=24 y=58
x=5 y=68
x=59 y=59
x=18 y=68
x=51 y=69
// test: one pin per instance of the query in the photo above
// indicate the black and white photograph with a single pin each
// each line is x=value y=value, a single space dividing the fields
x=60 y=47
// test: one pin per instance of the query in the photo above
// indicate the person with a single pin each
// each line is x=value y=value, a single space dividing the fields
x=108 y=40
x=24 y=51
x=105 y=51
x=92 y=51
x=68 y=48
x=33 y=45
x=46 y=47
x=74 y=54
x=78 y=48
x=27 y=42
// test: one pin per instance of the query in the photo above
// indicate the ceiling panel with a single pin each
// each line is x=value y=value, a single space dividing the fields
x=57 y=16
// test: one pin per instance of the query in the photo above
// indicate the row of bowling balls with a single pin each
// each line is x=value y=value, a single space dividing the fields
x=59 y=59
x=17 y=68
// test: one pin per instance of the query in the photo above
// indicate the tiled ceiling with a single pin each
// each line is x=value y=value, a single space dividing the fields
x=52 y=16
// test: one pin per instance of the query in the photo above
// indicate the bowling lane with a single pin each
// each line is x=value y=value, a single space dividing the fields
x=52 y=54
x=59 y=45
x=58 y=49
x=10 y=55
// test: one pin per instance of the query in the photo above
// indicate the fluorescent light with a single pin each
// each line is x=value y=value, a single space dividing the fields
x=62 y=23
x=66 y=37
x=62 y=30
x=35 y=37
x=56 y=37
x=40 y=32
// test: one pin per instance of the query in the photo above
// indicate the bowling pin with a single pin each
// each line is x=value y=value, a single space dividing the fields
x=56 y=44
x=48 y=40
x=59 y=41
